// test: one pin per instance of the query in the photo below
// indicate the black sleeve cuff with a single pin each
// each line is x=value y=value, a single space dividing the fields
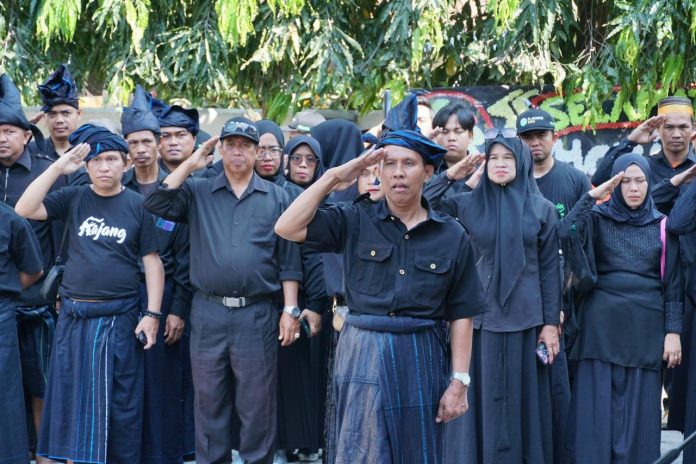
x=674 y=315
x=319 y=305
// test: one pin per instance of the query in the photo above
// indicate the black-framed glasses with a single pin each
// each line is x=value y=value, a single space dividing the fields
x=272 y=152
x=493 y=133
x=240 y=127
x=310 y=160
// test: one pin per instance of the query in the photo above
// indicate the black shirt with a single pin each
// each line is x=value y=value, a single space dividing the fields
x=108 y=236
x=19 y=251
x=173 y=244
x=390 y=270
x=14 y=180
x=234 y=249
x=563 y=186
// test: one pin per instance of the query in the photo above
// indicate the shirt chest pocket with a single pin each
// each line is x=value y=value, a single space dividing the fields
x=371 y=268
x=430 y=280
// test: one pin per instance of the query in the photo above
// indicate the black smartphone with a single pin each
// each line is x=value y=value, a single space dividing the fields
x=142 y=338
x=305 y=326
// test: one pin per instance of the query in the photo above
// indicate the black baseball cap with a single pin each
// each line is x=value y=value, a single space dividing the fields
x=534 y=120
x=241 y=127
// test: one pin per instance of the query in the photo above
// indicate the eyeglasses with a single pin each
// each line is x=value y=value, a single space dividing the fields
x=308 y=159
x=240 y=127
x=272 y=152
x=507 y=133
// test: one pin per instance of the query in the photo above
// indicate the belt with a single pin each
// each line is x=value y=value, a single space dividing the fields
x=236 y=302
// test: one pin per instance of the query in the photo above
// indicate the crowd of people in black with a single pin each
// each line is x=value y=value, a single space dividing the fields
x=281 y=294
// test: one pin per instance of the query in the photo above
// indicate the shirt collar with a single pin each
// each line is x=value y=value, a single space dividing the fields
x=129 y=177
x=382 y=211
x=256 y=183
x=691 y=155
x=24 y=160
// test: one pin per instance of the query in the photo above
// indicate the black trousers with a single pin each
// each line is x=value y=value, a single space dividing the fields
x=234 y=363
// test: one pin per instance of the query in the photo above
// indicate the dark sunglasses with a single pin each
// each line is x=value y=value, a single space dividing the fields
x=241 y=127
x=493 y=133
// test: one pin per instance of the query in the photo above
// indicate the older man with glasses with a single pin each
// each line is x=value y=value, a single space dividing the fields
x=238 y=265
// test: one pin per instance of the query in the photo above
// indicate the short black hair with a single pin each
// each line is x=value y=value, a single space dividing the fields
x=464 y=115
x=422 y=101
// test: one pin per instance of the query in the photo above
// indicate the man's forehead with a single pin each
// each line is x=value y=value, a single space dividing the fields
x=11 y=126
x=140 y=136
x=174 y=130
x=62 y=108
x=394 y=152
x=676 y=119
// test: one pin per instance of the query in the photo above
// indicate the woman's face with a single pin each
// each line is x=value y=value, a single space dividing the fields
x=268 y=157
x=302 y=163
x=501 y=167
x=368 y=181
x=634 y=186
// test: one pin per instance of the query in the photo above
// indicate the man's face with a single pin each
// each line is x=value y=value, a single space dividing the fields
x=13 y=139
x=455 y=139
x=676 y=132
x=106 y=170
x=176 y=145
x=268 y=159
x=402 y=175
x=62 y=120
x=540 y=143
x=501 y=167
x=302 y=164
x=425 y=120
x=238 y=154
x=142 y=148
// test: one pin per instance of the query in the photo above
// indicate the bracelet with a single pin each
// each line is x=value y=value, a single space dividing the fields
x=156 y=315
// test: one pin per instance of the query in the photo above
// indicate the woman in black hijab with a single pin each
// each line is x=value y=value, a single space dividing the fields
x=269 y=160
x=627 y=320
x=513 y=230
x=304 y=160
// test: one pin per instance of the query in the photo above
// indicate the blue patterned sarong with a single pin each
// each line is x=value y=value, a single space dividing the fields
x=389 y=375
x=94 y=396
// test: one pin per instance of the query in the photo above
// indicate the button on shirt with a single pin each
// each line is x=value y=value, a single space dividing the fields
x=387 y=273
x=234 y=248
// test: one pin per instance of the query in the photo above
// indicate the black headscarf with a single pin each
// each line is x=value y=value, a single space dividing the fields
x=139 y=116
x=175 y=116
x=402 y=116
x=100 y=139
x=430 y=151
x=617 y=209
x=500 y=213
x=59 y=89
x=11 y=111
x=313 y=144
x=340 y=141
x=266 y=126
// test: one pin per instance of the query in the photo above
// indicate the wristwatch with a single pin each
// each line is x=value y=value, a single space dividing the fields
x=463 y=377
x=294 y=311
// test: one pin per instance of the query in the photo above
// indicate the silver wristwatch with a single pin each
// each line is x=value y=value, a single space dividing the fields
x=294 y=311
x=463 y=377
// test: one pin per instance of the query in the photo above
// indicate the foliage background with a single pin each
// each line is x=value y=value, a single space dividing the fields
x=281 y=55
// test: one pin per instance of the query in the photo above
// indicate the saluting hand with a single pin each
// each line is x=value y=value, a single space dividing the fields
x=346 y=174
x=605 y=189
x=37 y=117
x=465 y=167
x=475 y=178
x=72 y=160
x=685 y=177
x=204 y=155
x=645 y=133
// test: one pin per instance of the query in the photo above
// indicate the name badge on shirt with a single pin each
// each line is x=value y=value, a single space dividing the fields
x=165 y=225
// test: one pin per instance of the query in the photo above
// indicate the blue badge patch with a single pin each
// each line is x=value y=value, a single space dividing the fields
x=165 y=225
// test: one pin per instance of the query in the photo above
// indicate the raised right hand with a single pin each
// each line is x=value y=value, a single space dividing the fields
x=466 y=166
x=645 y=133
x=605 y=189
x=72 y=160
x=349 y=172
x=204 y=155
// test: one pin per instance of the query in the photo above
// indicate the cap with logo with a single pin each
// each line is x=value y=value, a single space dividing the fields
x=534 y=120
x=241 y=127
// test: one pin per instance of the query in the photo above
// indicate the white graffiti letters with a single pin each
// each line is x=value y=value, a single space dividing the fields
x=95 y=228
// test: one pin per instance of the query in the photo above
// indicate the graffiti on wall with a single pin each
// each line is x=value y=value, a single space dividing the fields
x=498 y=106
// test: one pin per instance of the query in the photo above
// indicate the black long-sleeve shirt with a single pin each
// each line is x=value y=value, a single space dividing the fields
x=173 y=240
x=233 y=247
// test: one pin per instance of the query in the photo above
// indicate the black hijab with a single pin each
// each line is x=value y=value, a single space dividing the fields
x=500 y=214
x=313 y=144
x=617 y=209
x=340 y=141
x=266 y=126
